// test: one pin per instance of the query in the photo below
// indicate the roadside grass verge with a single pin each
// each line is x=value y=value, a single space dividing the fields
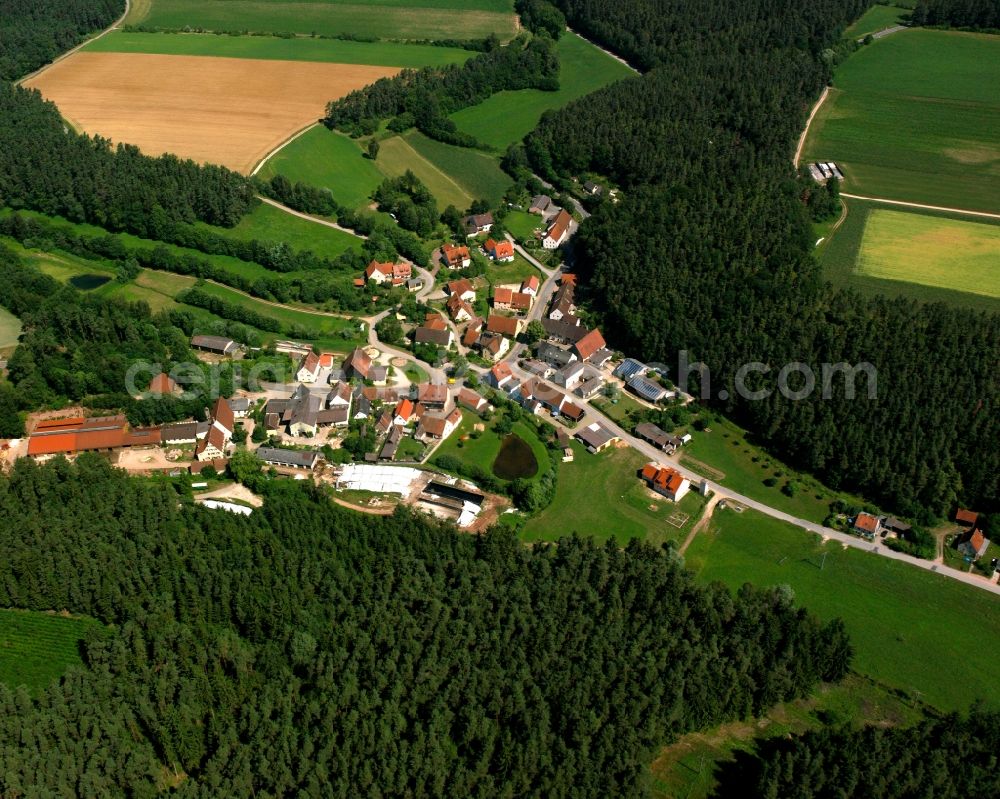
x=601 y=497
x=336 y=51
x=509 y=116
x=914 y=630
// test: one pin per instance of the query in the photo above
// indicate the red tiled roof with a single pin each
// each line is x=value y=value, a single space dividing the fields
x=359 y=361
x=162 y=384
x=405 y=409
x=558 y=228
x=434 y=321
x=976 y=539
x=310 y=363
x=326 y=360
x=520 y=301
x=501 y=372
x=530 y=283
x=663 y=477
x=460 y=286
x=59 y=424
x=223 y=414
x=501 y=296
x=468 y=397
x=499 y=249
x=963 y=516
x=506 y=325
x=866 y=522
x=432 y=392
x=568 y=279
x=453 y=254
x=589 y=344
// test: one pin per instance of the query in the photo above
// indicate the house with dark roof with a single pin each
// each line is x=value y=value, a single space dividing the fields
x=478 y=223
x=590 y=387
x=646 y=389
x=596 y=437
x=630 y=368
x=593 y=189
x=288 y=458
x=217 y=344
x=540 y=204
x=657 y=437
x=433 y=335
x=391 y=445
x=567 y=330
x=570 y=375
x=240 y=406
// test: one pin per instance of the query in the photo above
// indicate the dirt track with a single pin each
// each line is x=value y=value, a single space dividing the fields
x=229 y=111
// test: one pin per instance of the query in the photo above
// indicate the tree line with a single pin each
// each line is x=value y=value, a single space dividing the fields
x=34 y=32
x=971 y=14
x=709 y=252
x=425 y=97
x=952 y=757
x=311 y=650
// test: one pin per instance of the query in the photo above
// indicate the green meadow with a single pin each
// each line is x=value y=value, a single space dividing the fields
x=329 y=160
x=381 y=19
x=916 y=117
x=36 y=648
x=508 y=117
x=920 y=632
x=337 y=51
x=875 y=19
x=482 y=450
x=864 y=256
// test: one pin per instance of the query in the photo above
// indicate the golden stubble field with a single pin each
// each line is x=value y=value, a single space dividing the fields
x=229 y=111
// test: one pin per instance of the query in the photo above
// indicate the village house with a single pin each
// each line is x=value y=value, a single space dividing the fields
x=567 y=330
x=589 y=345
x=183 y=433
x=502 y=250
x=359 y=365
x=288 y=458
x=437 y=427
x=217 y=344
x=405 y=412
x=593 y=189
x=657 y=437
x=475 y=402
x=666 y=481
x=530 y=286
x=73 y=435
x=223 y=418
x=340 y=395
x=540 y=204
x=571 y=410
x=501 y=377
x=630 y=368
x=538 y=368
x=646 y=389
x=504 y=325
x=590 y=387
x=462 y=289
x=868 y=525
x=472 y=330
x=434 y=335
x=554 y=354
x=570 y=375
x=558 y=231
x=212 y=447
x=973 y=544
x=506 y=299
x=240 y=406
x=459 y=309
x=433 y=395
x=414 y=284
x=493 y=346
x=391 y=444
x=478 y=223
x=309 y=369
x=596 y=437
x=456 y=257
x=966 y=518
x=394 y=274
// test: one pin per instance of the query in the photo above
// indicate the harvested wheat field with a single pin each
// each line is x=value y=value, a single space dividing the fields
x=229 y=111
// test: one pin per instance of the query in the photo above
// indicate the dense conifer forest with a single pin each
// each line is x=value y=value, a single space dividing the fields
x=34 y=32
x=974 y=14
x=952 y=757
x=709 y=251
x=311 y=650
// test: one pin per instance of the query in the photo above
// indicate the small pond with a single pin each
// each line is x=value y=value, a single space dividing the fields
x=88 y=282
x=515 y=459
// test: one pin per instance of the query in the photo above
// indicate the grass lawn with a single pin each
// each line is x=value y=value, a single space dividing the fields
x=875 y=19
x=267 y=223
x=328 y=160
x=478 y=174
x=725 y=456
x=403 y=19
x=36 y=648
x=601 y=497
x=337 y=51
x=410 y=450
x=483 y=450
x=840 y=257
x=916 y=116
x=911 y=629
x=522 y=225
x=508 y=117
x=512 y=272
x=415 y=374
x=964 y=256
x=687 y=767
x=619 y=411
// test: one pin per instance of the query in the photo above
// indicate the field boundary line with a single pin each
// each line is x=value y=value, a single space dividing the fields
x=434 y=167
x=282 y=146
x=604 y=50
x=114 y=26
x=905 y=204
x=805 y=132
